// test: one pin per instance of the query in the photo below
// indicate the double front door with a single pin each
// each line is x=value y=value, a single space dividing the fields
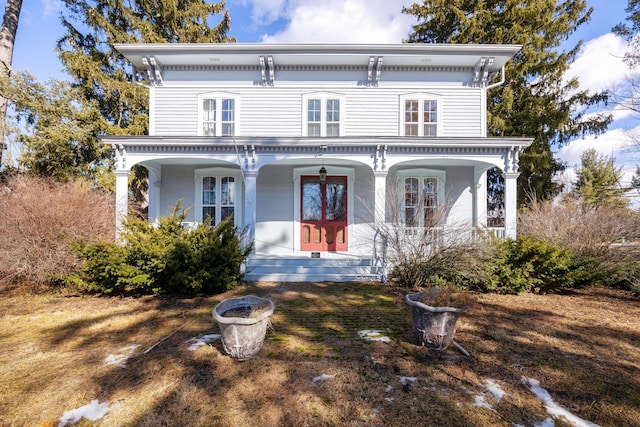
x=323 y=214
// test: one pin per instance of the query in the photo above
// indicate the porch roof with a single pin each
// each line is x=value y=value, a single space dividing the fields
x=318 y=143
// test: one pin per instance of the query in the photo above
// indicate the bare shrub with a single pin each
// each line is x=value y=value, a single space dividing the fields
x=598 y=237
x=587 y=231
x=39 y=218
x=423 y=249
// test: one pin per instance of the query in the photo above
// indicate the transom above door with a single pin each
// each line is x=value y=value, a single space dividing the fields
x=323 y=213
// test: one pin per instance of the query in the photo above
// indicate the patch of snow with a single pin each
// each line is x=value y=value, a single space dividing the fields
x=322 y=377
x=389 y=399
x=517 y=425
x=407 y=380
x=388 y=389
x=93 y=411
x=549 y=422
x=197 y=342
x=373 y=335
x=120 y=359
x=552 y=407
x=495 y=389
x=480 y=402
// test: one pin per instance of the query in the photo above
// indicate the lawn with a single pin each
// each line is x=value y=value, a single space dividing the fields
x=533 y=357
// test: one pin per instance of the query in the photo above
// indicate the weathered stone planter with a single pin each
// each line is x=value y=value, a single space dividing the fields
x=434 y=327
x=242 y=336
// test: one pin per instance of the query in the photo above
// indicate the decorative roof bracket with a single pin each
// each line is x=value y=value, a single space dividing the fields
x=481 y=75
x=267 y=70
x=374 y=69
x=154 y=71
x=378 y=70
x=381 y=157
x=263 y=71
x=478 y=72
x=272 y=70
x=249 y=155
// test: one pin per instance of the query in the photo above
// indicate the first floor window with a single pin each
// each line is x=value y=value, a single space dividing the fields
x=421 y=197
x=420 y=201
x=217 y=197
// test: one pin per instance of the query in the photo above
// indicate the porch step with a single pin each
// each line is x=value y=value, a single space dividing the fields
x=306 y=269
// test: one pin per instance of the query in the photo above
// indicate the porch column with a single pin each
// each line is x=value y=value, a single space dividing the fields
x=510 y=204
x=155 y=182
x=479 y=191
x=380 y=201
x=250 y=194
x=380 y=218
x=122 y=199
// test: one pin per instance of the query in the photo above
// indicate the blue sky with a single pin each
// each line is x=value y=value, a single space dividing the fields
x=599 y=66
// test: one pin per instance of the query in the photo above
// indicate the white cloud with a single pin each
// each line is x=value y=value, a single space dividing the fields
x=264 y=12
x=599 y=64
x=333 y=21
x=607 y=144
x=51 y=7
x=616 y=143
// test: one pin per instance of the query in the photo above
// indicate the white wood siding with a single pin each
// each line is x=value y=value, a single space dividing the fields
x=277 y=111
x=274 y=210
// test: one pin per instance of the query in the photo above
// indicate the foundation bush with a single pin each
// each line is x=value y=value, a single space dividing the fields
x=165 y=258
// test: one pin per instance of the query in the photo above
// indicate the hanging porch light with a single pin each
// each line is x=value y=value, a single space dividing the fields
x=322 y=174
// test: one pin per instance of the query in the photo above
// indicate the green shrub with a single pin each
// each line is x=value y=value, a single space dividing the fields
x=530 y=264
x=166 y=258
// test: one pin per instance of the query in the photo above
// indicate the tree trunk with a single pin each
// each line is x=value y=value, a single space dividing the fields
x=7 y=38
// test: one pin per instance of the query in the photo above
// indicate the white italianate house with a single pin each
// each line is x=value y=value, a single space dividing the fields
x=312 y=147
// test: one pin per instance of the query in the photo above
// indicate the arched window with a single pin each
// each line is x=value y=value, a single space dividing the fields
x=218 y=194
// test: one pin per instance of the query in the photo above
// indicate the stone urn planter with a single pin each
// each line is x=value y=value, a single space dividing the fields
x=243 y=324
x=434 y=327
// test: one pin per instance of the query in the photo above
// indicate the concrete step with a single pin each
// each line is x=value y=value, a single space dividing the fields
x=296 y=269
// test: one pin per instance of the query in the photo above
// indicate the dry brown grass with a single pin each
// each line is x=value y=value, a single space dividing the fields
x=38 y=220
x=583 y=347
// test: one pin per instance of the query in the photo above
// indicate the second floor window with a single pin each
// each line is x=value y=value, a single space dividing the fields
x=420 y=117
x=323 y=116
x=218 y=116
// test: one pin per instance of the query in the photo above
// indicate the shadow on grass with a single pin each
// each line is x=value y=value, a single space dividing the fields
x=587 y=367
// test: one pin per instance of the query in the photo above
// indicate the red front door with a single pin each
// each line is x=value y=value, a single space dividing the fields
x=323 y=215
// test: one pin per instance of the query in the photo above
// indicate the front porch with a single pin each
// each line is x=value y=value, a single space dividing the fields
x=270 y=186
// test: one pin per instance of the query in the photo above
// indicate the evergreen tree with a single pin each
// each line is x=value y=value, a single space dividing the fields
x=632 y=27
x=598 y=182
x=65 y=120
x=55 y=126
x=87 y=50
x=535 y=101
